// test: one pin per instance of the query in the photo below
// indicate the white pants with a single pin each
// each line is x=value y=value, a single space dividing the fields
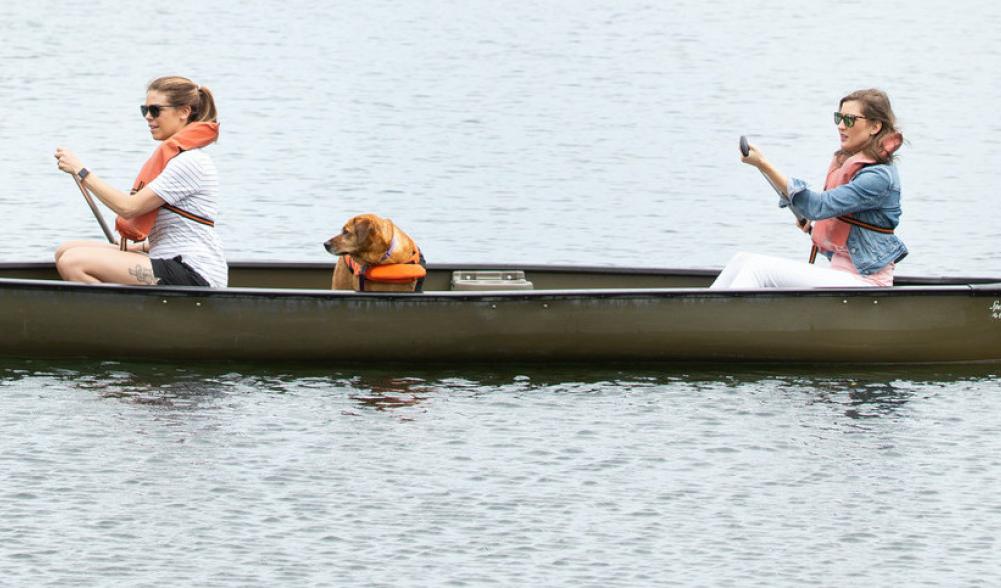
x=750 y=270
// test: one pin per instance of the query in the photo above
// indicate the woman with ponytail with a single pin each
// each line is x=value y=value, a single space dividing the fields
x=854 y=216
x=169 y=215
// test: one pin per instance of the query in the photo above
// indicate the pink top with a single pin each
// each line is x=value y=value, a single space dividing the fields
x=842 y=260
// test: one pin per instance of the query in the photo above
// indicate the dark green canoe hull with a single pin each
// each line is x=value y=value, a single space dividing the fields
x=284 y=312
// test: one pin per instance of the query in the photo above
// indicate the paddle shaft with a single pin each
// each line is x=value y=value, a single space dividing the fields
x=745 y=149
x=93 y=208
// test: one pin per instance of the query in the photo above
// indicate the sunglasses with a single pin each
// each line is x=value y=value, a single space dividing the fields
x=153 y=109
x=838 y=117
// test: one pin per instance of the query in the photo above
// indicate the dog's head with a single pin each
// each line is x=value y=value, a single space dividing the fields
x=361 y=234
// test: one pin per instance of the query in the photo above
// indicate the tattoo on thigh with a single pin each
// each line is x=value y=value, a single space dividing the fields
x=143 y=275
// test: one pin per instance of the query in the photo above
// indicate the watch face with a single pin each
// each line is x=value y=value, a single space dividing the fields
x=83 y=173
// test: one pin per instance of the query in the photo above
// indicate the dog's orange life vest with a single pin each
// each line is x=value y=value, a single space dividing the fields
x=192 y=136
x=831 y=234
x=412 y=270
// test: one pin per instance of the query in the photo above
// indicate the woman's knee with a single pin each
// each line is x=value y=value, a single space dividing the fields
x=61 y=250
x=72 y=264
x=64 y=260
x=741 y=259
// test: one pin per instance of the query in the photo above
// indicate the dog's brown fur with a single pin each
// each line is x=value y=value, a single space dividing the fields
x=366 y=238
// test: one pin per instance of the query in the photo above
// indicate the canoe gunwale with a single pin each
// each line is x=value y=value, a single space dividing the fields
x=985 y=290
x=557 y=269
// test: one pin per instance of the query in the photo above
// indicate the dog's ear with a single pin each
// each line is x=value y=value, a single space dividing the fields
x=363 y=231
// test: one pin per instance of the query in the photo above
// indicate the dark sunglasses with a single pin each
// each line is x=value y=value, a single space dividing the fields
x=154 y=109
x=838 y=117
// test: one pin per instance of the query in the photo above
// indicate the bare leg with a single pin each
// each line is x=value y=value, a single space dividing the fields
x=64 y=247
x=96 y=265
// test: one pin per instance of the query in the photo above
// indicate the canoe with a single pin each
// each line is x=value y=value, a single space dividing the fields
x=285 y=312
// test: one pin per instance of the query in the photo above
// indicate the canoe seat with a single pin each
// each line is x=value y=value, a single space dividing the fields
x=490 y=280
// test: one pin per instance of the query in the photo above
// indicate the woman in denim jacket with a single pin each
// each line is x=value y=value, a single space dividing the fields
x=854 y=216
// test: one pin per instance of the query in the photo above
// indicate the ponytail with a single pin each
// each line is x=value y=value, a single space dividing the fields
x=206 y=111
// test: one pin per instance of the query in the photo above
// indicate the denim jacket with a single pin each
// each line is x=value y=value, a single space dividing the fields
x=873 y=196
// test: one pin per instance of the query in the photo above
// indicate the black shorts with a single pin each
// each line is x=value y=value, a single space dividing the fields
x=174 y=272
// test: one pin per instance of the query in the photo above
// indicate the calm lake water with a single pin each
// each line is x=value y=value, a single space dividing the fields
x=525 y=132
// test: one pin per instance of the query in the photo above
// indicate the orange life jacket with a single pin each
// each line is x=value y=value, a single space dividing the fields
x=830 y=234
x=412 y=270
x=192 y=136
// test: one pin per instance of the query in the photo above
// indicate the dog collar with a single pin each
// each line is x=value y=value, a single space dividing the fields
x=392 y=245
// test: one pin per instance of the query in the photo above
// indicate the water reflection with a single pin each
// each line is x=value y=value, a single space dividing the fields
x=157 y=385
x=863 y=393
x=860 y=382
x=863 y=400
x=876 y=400
x=390 y=392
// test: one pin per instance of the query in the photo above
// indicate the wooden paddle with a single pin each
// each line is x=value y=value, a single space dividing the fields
x=745 y=149
x=93 y=208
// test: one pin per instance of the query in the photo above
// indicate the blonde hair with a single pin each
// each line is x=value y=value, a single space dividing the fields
x=181 y=91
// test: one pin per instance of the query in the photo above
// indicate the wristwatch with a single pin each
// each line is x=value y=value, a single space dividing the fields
x=83 y=173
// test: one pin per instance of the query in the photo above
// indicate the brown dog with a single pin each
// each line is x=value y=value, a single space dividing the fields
x=370 y=240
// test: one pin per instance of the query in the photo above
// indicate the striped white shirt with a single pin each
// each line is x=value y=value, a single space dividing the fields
x=190 y=182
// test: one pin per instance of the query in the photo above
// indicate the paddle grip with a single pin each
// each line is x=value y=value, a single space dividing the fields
x=745 y=149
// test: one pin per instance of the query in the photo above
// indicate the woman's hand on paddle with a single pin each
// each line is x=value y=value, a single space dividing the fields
x=68 y=161
x=753 y=157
